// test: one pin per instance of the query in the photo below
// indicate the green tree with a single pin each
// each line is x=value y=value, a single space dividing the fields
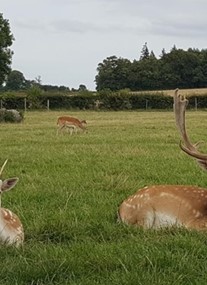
x=15 y=81
x=178 y=67
x=145 y=52
x=200 y=75
x=163 y=53
x=6 y=40
x=82 y=87
x=34 y=94
x=113 y=74
x=144 y=74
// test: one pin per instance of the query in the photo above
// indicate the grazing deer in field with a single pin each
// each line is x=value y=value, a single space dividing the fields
x=170 y=205
x=11 y=229
x=73 y=124
x=72 y=128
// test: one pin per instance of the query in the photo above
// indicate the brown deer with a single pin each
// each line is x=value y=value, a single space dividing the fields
x=73 y=124
x=170 y=205
x=11 y=229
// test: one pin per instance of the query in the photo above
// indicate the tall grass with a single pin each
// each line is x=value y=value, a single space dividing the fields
x=69 y=191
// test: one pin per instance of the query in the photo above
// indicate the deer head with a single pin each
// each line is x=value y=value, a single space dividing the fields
x=11 y=230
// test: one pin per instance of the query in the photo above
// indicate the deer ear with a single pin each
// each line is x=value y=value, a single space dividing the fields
x=9 y=183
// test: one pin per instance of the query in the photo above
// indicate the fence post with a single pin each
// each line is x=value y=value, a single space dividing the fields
x=146 y=104
x=196 y=104
x=48 y=104
x=25 y=104
x=1 y=104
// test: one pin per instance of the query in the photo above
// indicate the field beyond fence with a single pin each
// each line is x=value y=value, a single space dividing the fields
x=69 y=191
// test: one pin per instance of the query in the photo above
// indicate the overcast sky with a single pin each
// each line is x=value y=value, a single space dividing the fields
x=62 y=41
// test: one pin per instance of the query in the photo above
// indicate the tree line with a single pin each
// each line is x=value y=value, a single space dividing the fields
x=177 y=68
x=15 y=81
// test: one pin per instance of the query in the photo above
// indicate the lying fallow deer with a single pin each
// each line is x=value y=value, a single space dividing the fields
x=170 y=205
x=11 y=229
x=73 y=124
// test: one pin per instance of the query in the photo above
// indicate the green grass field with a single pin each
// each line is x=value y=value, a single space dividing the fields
x=69 y=191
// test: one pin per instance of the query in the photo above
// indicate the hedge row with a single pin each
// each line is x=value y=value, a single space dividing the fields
x=113 y=101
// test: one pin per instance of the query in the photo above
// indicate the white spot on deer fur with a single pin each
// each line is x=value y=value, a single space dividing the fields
x=146 y=196
x=19 y=229
x=198 y=214
x=129 y=205
x=5 y=213
x=172 y=196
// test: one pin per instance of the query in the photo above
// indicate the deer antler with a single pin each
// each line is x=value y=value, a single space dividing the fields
x=2 y=168
x=180 y=104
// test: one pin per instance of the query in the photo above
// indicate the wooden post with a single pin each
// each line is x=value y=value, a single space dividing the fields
x=25 y=104
x=48 y=104
x=1 y=104
x=196 y=104
x=146 y=105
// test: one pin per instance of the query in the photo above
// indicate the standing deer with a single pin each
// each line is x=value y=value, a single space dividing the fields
x=72 y=128
x=11 y=229
x=73 y=124
x=170 y=205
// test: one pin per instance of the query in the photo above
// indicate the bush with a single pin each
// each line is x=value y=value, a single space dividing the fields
x=10 y=116
x=34 y=97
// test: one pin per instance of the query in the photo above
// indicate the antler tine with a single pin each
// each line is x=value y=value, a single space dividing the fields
x=2 y=168
x=201 y=158
x=180 y=104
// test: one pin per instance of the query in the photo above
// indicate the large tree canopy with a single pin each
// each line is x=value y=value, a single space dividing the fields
x=178 y=68
x=6 y=40
x=113 y=73
x=15 y=81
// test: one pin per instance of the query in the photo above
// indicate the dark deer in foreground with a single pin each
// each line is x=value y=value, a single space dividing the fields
x=170 y=205
x=11 y=230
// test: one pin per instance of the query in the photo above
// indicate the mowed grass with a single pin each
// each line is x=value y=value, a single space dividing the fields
x=69 y=191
